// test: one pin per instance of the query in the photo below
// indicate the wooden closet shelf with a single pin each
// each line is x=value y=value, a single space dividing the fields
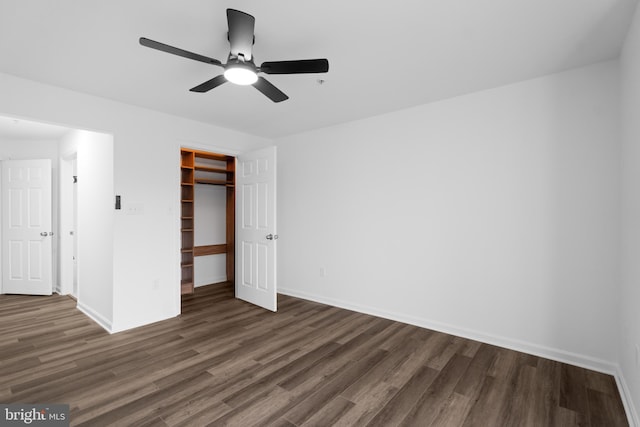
x=210 y=156
x=211 y=169
x=186 y=183
x=187 y=200
x=186 y=264
x=209 y=250
x=186 y=250
x=186 y=229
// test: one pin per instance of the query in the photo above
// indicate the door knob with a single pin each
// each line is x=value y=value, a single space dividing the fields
x=44 y=234
x=272 y=237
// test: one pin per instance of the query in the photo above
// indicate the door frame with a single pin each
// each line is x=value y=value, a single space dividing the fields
x=181 y=144
x=68 y=211
x=189 y=145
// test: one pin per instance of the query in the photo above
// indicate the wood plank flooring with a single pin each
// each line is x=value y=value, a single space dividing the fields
x=226 y=362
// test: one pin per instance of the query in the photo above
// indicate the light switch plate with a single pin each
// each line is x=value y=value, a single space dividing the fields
x=134 y=208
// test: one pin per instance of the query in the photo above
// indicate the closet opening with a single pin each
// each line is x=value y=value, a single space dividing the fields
x=207 y=229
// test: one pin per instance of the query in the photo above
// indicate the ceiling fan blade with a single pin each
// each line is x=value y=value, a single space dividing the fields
x=295 y=67
x=176 y=51
x=272 y=92
x=241 y=27
x=209 y=84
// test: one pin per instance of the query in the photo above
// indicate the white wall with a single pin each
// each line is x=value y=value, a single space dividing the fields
x=629 y=343
x=491 y=215
x=96 y=207
x=94 y=223
x=39 y=149
x=146 y=174
x=210 y=214
x=21 y=149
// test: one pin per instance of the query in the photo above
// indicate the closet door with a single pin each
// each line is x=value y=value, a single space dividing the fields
x=256 y=238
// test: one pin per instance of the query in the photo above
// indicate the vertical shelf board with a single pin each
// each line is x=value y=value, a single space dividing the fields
x=187 y=158
x=187 y=240
x=187 y=176
x=186 y=287
x=187 y=210
x=231 y=218
x=186 y=223
x=186 y=258
x=187 y=192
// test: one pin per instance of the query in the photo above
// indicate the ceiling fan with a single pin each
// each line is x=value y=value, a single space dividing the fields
x=240 y=68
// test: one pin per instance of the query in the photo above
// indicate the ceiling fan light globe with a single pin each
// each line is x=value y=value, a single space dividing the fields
x=240 y=75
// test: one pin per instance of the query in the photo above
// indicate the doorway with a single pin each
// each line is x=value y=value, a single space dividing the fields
x=250 y=237
x=69 y=223
x=85 y=206
x=207 y=233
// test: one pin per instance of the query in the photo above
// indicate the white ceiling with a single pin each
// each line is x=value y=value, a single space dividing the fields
x=383 y=56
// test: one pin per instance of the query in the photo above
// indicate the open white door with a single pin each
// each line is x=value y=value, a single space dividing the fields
x=26 y=227
x=256 y=228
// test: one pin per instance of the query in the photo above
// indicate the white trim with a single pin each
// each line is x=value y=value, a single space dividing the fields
x=517 y=345
x=65 y=214
x=96 y=317
x=558 y=355
x=627 y=401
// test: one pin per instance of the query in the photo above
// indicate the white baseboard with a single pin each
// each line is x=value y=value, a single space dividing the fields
x=522 y=346
x=558 y=355
x=96 y=317
x=627 y=402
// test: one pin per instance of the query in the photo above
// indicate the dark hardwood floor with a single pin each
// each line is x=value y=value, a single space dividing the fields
x=226 y=362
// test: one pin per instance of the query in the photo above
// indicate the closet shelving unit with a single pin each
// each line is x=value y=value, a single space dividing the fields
x=204 y=168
